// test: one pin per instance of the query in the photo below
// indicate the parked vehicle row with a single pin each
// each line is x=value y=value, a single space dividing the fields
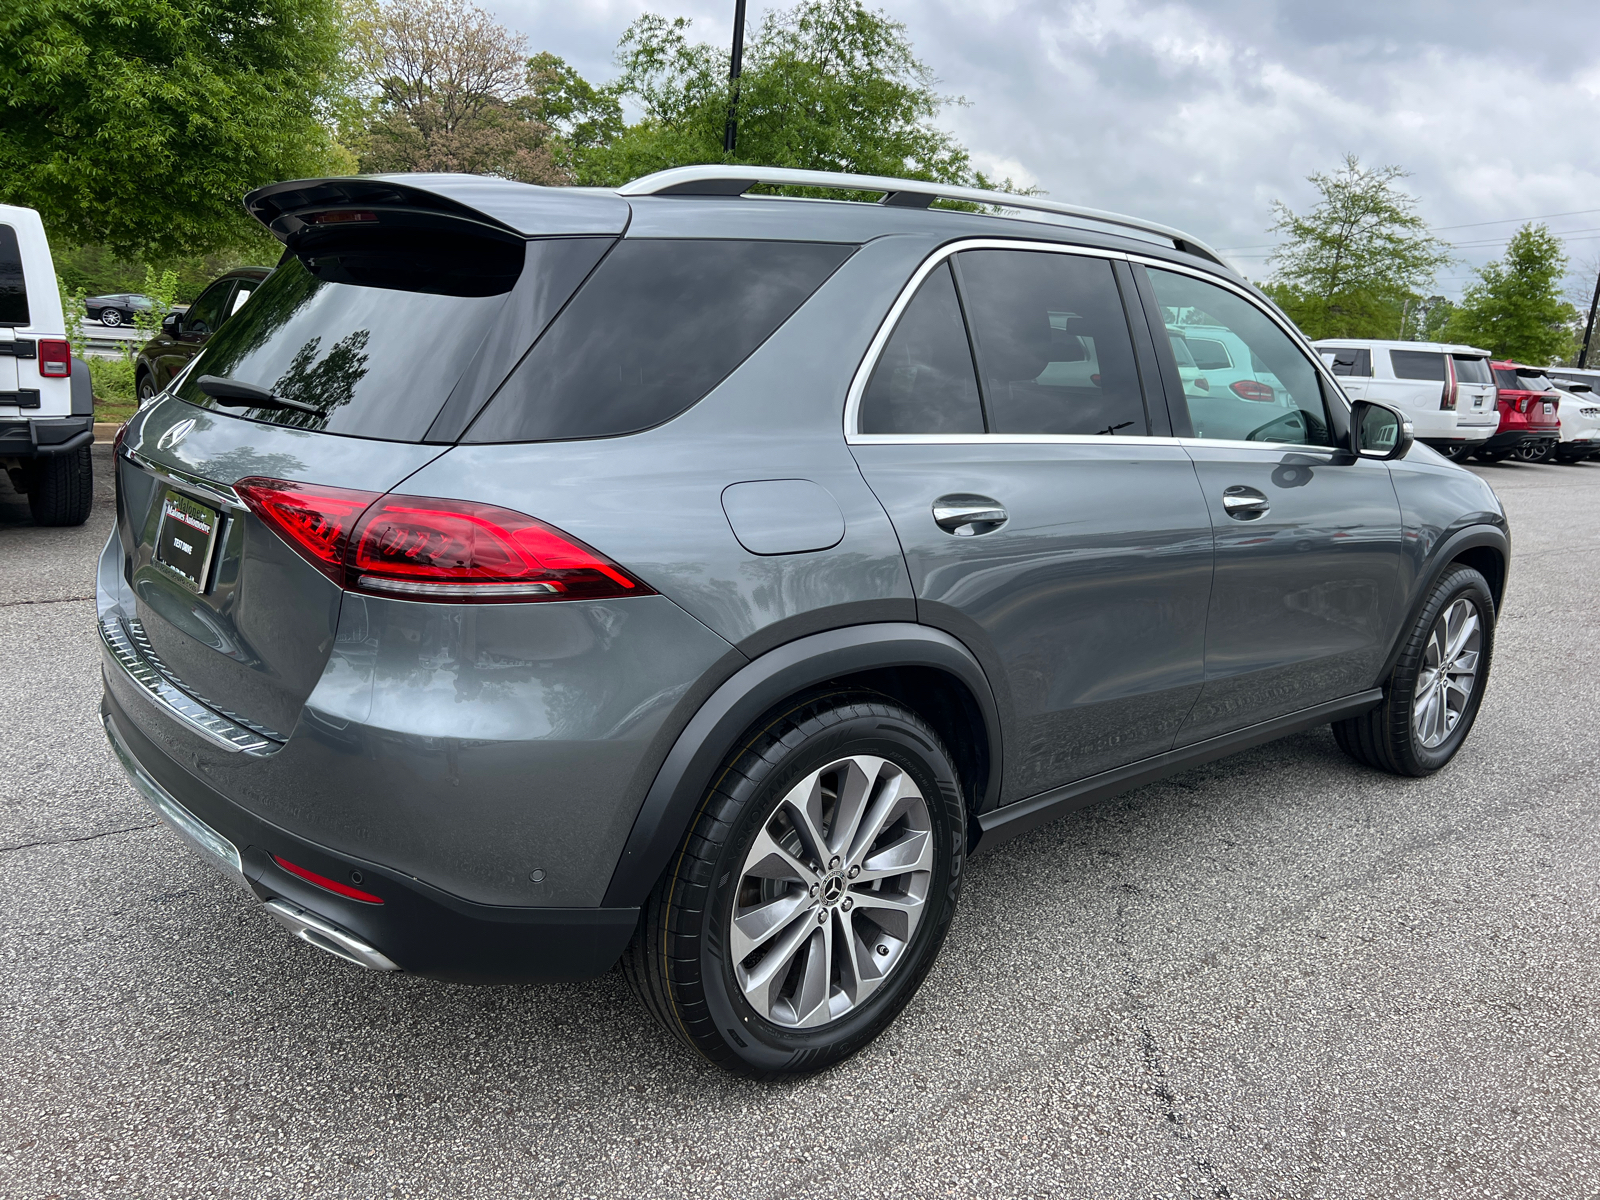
x=714 y=574
x=1465 y=403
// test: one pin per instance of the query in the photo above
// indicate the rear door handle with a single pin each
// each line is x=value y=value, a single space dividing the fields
x=1244 y=503
x=965 y=515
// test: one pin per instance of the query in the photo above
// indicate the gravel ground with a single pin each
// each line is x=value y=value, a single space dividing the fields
x=1277 y=976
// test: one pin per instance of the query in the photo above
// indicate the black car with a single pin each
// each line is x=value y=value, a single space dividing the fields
x=117 y=308
x=183 y=334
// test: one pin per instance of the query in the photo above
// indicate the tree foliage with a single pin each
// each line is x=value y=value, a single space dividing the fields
x=445 y=87
x=1515 y=306
x=828 y=85
x=1348 y=267
x=139 y=124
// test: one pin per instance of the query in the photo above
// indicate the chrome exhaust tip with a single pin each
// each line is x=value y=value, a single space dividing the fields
x=329 y=937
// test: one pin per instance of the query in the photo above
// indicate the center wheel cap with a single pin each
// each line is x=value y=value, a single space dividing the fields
x=832 y=888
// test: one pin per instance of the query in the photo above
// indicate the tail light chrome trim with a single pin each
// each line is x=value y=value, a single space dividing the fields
x=129 y=651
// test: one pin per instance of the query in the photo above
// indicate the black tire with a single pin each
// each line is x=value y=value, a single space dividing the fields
x=146 y=388
x=1386 y=738
x=61 y=488
x=678 y=962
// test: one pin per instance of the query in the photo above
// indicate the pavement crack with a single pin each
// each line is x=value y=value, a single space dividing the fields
x=1156 y=1068
x=56 y=600
x=88 y=837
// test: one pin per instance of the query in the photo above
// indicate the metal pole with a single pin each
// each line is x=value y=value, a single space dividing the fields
x=1588 y=330
x=730 y=135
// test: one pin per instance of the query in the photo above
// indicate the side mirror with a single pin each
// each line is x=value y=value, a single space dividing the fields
x=169 y=323
x=1378 y=431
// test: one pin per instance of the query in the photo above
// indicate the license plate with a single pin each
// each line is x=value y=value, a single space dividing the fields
x=1548 y=408
x=185 y=538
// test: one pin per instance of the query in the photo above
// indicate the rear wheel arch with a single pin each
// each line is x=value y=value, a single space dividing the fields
x=1490 y=562
x=926 y=670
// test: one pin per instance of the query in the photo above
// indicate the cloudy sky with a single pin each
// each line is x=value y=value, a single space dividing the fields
x=1201 y=115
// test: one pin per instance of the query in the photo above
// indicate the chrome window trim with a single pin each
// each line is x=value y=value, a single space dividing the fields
x=869 y=361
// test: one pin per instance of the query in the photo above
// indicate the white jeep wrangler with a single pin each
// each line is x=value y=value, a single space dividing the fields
x=46 y=402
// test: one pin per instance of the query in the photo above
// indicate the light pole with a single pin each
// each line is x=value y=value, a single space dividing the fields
x=730 y=135
x=1588 y=330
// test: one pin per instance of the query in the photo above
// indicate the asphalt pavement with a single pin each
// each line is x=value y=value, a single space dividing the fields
x=1280 y=975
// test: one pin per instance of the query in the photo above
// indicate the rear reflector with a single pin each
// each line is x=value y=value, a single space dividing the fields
x=423 y=548
x=1249 y=389
x=55 y=358
x=326 y=884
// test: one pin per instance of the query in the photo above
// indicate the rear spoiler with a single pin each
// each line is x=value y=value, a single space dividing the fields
x=472 y=204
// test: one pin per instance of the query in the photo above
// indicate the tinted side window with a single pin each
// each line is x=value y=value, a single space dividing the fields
x=1345 y=361
x=1209 y=355
x=658 y=325
x=1054 y=352
x=924 y=380
x=1276 y=398
x=1471 y=369
x=206 y=314
x=1418 y=364
x=13 y=287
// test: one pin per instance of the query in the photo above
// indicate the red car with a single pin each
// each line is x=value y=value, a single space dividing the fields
x=1529 y=422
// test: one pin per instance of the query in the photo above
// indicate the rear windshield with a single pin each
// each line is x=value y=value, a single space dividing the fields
x=1472 y=370
x=658 y=325
x=13 y=287
x=1534 y=381
x=1418 y=364
x=377 y=361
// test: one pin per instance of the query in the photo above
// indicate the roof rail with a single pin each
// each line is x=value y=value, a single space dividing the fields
x=717 y=179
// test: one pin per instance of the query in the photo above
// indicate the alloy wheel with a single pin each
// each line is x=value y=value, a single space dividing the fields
x=832 y=891
x=1448 y=674
x=110 y=316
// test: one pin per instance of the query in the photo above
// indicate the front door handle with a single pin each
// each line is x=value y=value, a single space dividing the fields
x=1244 y=503
x=966 y=515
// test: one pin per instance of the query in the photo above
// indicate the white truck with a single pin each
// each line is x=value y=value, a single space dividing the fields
x=46 y=402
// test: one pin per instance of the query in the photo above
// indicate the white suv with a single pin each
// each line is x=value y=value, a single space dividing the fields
x=1579 y=412
x=46 y=403
x=1446 y=390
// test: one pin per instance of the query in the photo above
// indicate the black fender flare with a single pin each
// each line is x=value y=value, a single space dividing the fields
x=1472 y=536
x=675 y=795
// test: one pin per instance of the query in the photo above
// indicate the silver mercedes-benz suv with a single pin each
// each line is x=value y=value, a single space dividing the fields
x=530 y=579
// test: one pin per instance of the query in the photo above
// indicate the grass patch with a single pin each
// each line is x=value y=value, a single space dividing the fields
x=114 y=395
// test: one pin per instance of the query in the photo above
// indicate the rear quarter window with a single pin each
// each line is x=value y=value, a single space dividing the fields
x=1418 y=364
x=13 y=285
x=658 y=325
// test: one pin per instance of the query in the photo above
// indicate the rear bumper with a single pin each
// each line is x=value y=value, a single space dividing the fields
x=30 y=437
x=417 y=928
x=1513 y=439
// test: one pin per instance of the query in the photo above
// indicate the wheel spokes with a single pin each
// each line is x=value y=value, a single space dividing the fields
x=754 y=927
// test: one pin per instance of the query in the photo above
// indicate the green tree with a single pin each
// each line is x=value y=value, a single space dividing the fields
x=139 y=124
x=1348 y=267
x=445 y=85
x=828 y=85
x=1515 y=306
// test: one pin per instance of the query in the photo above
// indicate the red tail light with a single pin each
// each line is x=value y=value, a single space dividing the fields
x=1447 y=402
x=423 y=548
x=1250 y=389
x=330 y=885
x=315 y=520
x=55 y=358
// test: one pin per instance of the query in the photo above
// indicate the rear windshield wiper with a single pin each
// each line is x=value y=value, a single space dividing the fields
x=233 y=394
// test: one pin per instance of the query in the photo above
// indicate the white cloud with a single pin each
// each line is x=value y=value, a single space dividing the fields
x=1200 y=115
